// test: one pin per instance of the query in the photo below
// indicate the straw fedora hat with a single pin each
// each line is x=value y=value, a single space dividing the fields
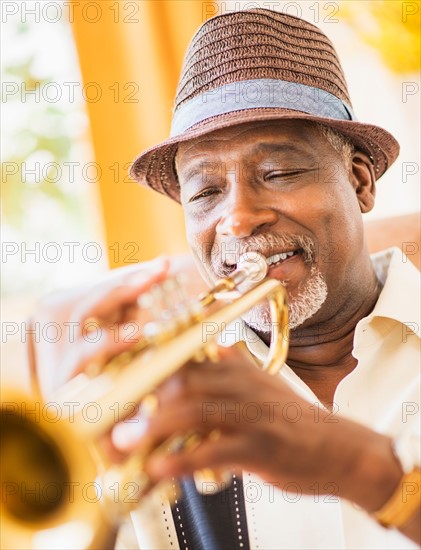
x=258 y=65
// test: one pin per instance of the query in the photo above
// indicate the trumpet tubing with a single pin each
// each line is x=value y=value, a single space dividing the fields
x=49 y=467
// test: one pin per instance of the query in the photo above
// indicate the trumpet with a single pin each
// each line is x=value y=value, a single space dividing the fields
x=51 y=462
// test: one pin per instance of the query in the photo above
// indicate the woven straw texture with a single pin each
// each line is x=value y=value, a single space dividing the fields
x=258 y=44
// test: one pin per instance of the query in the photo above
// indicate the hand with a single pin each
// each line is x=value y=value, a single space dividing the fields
x=57 y=359
x=113 y=304
x=264 y=428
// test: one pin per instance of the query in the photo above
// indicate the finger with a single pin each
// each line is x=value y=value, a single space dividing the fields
x=109 y=451
x=126 y=435
x=227 y=453
x=187 y=417
x=224 y=379
x=109 y=302
x=93 y=350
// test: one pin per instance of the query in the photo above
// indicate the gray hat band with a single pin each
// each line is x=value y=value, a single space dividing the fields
x=259 y=94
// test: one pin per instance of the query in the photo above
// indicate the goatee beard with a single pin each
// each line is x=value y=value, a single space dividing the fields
x=310 y=297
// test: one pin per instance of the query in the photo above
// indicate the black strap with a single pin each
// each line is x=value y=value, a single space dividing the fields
x=211 y=522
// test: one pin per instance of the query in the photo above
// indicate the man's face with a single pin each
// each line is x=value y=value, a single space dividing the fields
x=281 y=189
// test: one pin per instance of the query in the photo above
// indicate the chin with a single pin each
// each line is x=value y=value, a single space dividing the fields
x=303 y=304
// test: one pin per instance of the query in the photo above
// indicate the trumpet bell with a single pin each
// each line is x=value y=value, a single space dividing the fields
x=49 y=495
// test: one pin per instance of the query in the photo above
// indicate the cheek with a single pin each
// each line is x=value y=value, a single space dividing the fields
x=200 y=236
x=340 y=220
x=346 y=208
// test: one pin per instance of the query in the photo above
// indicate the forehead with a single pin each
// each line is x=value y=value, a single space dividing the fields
x=290 y=134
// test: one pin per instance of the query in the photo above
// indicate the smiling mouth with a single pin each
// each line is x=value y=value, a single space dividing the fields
x=278 y=259
x=272 y=261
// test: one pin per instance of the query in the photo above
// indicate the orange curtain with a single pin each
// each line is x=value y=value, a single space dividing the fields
x=130 y=56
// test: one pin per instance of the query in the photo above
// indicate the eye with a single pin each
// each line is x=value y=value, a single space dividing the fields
x=282 y=174
x=204 y=194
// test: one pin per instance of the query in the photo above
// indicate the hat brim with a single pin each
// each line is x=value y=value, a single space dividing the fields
x=155 y=167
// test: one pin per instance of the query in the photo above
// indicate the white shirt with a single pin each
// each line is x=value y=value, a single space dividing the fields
x=382 y=393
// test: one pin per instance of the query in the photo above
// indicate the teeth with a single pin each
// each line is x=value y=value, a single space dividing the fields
x=279 y=257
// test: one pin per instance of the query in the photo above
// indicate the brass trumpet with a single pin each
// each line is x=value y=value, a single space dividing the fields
x=51 y=461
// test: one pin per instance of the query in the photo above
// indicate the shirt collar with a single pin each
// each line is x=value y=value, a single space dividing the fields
x=400 y=297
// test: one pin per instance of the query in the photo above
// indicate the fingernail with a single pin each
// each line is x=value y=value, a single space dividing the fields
x=126 y=434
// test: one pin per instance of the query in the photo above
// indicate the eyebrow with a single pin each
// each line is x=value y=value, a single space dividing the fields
x=263 y=147
x=260 y=147
x=194 y=167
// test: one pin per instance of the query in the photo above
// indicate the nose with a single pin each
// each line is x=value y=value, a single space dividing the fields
x=245 y=216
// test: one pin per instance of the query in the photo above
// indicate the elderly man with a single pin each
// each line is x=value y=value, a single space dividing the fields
x=266 y=155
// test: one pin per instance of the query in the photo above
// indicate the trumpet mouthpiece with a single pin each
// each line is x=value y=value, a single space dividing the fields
x=253 y=265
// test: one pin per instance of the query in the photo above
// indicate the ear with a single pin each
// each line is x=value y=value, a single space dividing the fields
x=363 y=180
